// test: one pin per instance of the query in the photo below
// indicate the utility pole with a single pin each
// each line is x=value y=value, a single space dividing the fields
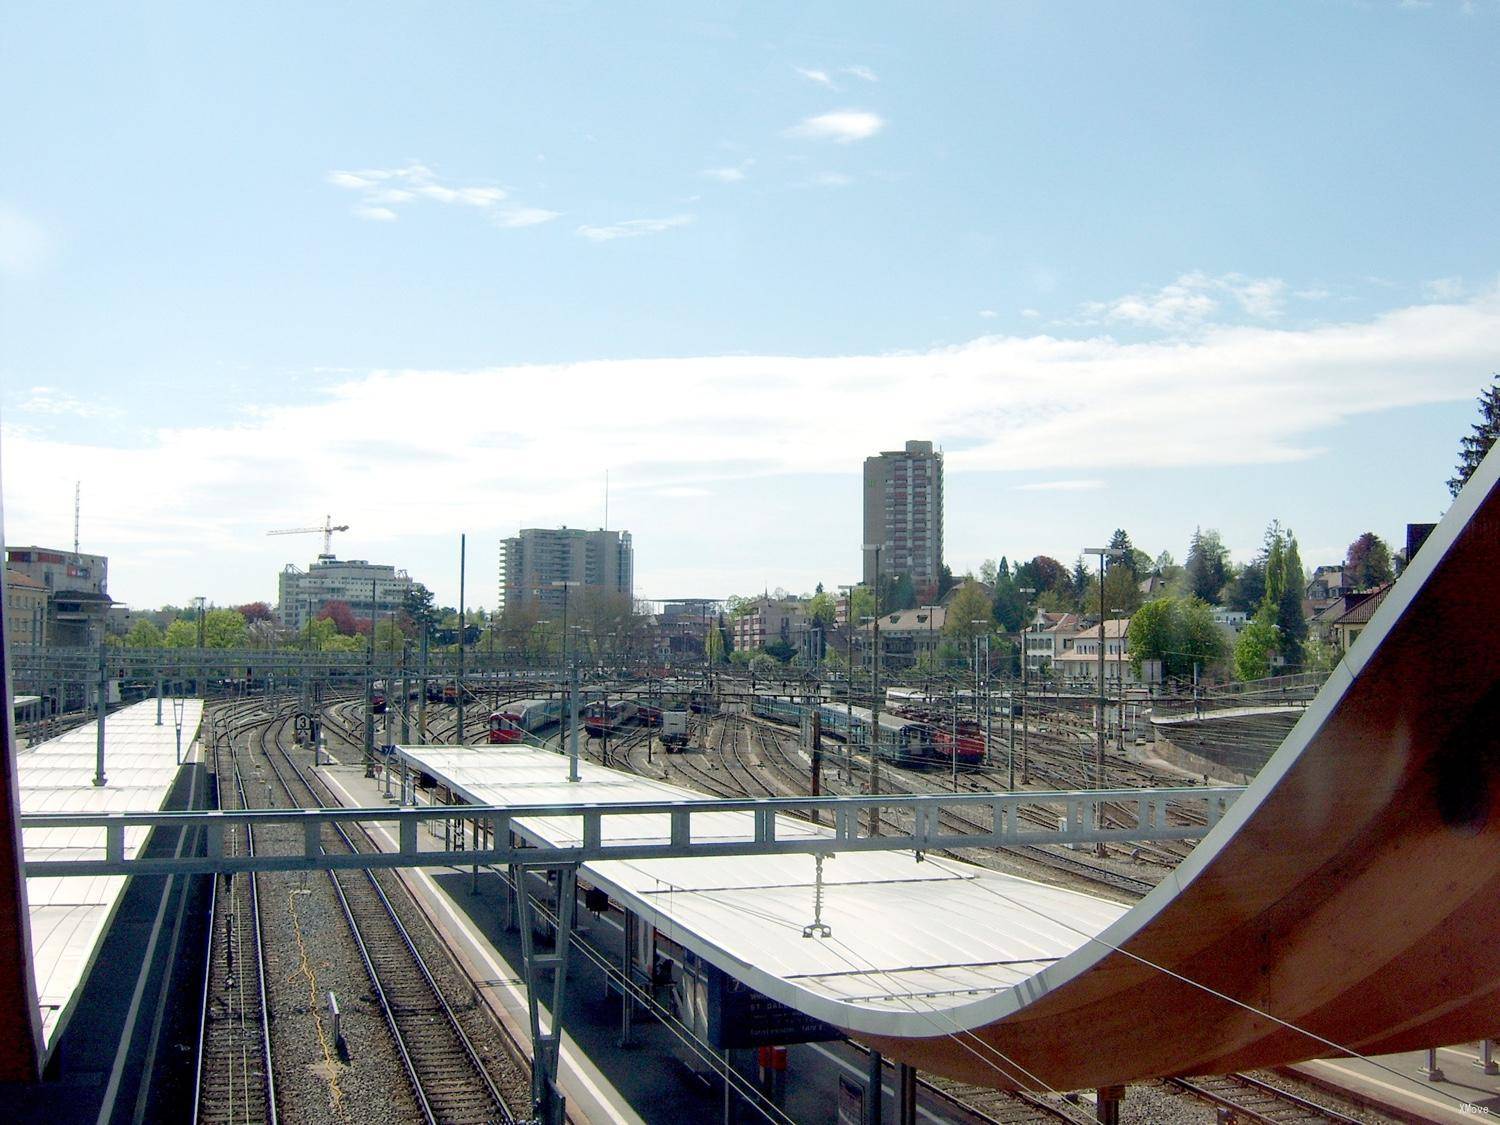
x=370 y=692
x=1025 y=592
x=1103 y=553
x=462 y=633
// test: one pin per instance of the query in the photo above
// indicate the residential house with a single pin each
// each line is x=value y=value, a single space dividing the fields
x=1081 y=662
x=1047 y=638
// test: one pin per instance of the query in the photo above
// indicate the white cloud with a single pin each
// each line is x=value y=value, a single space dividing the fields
x=524 y=217
x=1191 y=301
x=1044 y=408
x=832 y=179
x=862 y=72
x=684 y=492
x=1031 y=314
x=731 y=174
x=23 y=243
x=842 y=126
x=1444 y=288
x=818 y=76
x=1316 y=293
x=51 y=401
x=1059 y=486
x=633 y=228
x=988 y=314
x=383 y=190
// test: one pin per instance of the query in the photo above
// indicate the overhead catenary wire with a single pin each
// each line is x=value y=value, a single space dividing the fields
x=1214 y=992
x=685 y=1034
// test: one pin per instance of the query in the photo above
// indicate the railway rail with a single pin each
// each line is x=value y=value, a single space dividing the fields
x=233 y=1079
x=448 y=1077
x=1252 y=1100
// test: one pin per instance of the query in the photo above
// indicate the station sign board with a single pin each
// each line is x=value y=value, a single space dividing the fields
x=739 y=1016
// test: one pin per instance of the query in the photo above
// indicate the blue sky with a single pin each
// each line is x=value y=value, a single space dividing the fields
x=436 y=268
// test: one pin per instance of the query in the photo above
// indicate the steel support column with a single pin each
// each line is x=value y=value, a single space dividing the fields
x=1107 y=1104
x=906 y=1093
x=548 y=1104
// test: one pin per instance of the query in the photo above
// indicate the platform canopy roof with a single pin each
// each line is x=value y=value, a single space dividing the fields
x=70 y=916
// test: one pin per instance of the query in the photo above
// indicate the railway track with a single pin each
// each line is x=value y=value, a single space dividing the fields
x=234 y=1080
x=456 y=1062
x=1252 y=1100
x=907 y=782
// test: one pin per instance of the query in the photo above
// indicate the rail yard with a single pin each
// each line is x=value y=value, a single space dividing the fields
x=414 y=1039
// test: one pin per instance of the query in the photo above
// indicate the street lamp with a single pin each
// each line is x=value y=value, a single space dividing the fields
x=978 y=623
x=1103 y=553
x=1120 y=681
x=1025 y=591
x=198 y=603
x=875 y=696
x=848 y=592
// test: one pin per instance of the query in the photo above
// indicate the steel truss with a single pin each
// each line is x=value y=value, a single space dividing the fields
x=503 y=836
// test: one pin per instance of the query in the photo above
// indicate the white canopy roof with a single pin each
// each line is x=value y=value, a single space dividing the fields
x=913 y=940
x=69 y=916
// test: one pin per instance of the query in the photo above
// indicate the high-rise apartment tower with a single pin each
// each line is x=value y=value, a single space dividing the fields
x=532 y=562
x=904 y=513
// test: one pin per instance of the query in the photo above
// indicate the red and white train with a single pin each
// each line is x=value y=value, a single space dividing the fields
x=512 y=722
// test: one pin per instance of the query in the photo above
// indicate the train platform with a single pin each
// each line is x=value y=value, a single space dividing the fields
x=655 y=1076
x=69 y=917
x=1460 y=1091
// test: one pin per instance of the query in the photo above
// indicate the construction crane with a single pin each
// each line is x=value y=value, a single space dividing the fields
x=327 y=530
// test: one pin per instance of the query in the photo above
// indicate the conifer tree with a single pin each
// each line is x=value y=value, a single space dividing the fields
x=1473 y=447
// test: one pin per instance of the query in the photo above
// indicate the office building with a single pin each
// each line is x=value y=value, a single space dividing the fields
x=368 y=589
x=533 y=562
x=904 y=514
x=65 y=596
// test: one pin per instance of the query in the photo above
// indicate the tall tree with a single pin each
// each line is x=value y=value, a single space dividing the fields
x=1247 y=588
x=1368 y=563
x=254 y=611
x=144 y=634
x=945 y=582
x=341 y=616
x=1291 y=625
x=861 y=604
x=418 y=604
x=1042 y=573
x=1207 y=565
x=1179 y=632
x=969 y=605
x=1253 y=650
x=1473 y=447
x=182 y=633
x=224 y=628
x=1079 y=577
x=899 y=594
x=1120 y=541
x=821 y=610
x=1010 y=608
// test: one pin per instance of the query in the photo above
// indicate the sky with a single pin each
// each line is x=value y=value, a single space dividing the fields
x=438 y=269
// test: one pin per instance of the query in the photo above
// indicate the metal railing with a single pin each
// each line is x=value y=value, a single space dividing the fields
x=584 y=833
